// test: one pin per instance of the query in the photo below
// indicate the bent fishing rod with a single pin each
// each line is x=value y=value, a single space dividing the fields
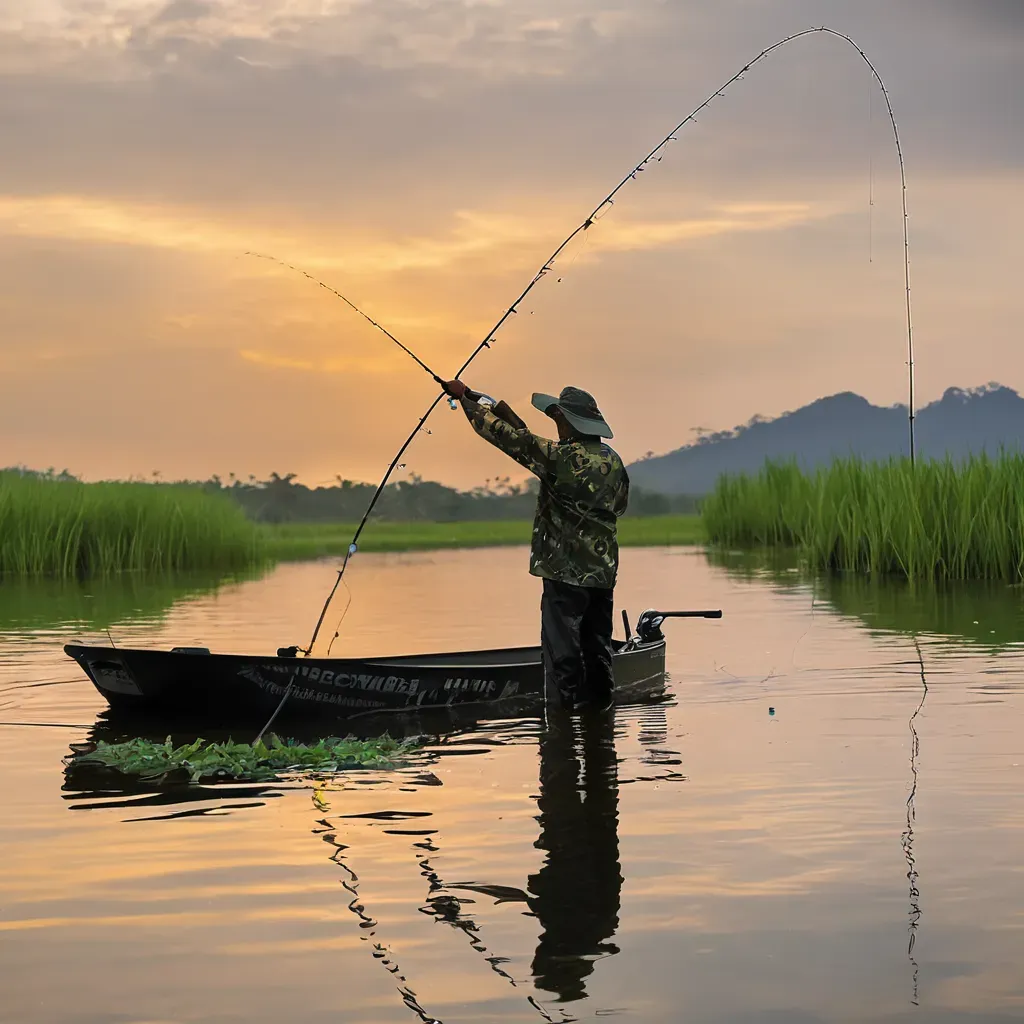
x=655 y=155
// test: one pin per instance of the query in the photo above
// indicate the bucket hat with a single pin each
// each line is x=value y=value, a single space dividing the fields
x=578 y=407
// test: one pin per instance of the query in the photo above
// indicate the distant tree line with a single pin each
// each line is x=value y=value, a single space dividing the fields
x=281 y=499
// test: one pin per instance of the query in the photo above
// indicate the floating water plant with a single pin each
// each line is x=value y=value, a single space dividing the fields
x=261 y=761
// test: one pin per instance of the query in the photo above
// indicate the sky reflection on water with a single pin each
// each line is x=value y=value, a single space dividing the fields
x=702 y=861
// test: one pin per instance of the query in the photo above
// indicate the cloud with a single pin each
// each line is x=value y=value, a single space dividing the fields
x=357 y=363
x=728 y=219
x=471 y=235
x=491 y=39
x=269 y=98
x=990 y=16
x=183 y=11
x=428 y=154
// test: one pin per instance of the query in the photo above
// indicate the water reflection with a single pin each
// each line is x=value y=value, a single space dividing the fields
x=653 y=733
x=574 y=896
x=97 y=605
x=440 y=904
x=907 y=838
x=986 y=612
x=577 y=890
x=450 y=910
x=790 y=877
x=368 y=925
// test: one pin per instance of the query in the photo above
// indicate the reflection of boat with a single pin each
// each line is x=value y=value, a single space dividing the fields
x=574 y=895
x=227 y=689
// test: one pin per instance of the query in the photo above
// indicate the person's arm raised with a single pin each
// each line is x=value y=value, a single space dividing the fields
x=504 y=411
x=500 y=426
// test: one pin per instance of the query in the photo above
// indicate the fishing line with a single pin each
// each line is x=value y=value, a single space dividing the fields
x=337 y=630
x=871 y=179
x=277 y=710
x=351 y=305
x=655 y=155
x=810 y=625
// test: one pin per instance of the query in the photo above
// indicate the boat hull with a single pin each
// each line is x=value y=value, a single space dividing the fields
x=228 y=689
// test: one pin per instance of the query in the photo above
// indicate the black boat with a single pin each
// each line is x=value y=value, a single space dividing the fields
x=229 y=689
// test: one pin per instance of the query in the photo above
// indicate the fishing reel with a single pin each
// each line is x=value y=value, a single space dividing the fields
x=477 y=396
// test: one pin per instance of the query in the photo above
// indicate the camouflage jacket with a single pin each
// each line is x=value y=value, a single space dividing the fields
x=584 y=490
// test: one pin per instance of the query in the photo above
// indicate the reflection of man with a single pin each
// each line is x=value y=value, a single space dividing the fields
x=576 y=892
x=584 y=489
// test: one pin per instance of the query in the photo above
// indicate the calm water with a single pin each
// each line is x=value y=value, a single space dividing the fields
x=699 y=860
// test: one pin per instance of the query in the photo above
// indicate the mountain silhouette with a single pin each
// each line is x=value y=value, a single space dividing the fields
x=961 y=423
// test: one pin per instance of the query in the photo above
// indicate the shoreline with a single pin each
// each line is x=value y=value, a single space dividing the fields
x=290 y=542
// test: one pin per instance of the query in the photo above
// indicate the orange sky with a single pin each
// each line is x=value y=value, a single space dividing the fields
x=424 y=158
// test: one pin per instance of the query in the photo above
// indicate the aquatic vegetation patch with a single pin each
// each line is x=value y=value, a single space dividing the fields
x=63 y=527
x=262 y=761
x=932 y=520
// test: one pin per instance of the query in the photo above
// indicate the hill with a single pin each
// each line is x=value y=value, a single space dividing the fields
x=960 y=423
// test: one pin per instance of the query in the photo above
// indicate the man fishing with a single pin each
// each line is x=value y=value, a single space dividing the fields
x=584 y=489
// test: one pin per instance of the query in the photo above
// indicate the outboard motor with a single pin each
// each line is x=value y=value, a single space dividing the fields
x=648 y=627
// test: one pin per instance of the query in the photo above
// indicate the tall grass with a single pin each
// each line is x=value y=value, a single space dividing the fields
x=935 y=520
x=67 y=528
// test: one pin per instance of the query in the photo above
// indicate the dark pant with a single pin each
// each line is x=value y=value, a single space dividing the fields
x=576 y=638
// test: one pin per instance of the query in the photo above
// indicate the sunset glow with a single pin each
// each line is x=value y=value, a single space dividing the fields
x=424 y=159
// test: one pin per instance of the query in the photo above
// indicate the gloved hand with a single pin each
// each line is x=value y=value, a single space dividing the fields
x=455 y=388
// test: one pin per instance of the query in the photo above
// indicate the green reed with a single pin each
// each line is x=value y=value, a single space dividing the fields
x=67 y=528
x=935 y=520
